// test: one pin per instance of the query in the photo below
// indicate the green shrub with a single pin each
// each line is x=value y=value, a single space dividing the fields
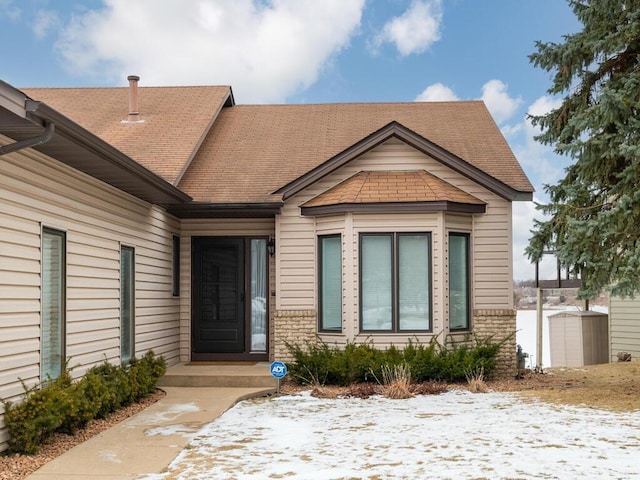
x=65 y=406
x=37 y=418
x=143 y=375
x=320 y=364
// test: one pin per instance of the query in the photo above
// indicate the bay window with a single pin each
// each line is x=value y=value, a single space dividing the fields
x=395 y=282
x=459 y=282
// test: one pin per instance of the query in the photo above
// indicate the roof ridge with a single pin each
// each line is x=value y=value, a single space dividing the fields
x=387 y=103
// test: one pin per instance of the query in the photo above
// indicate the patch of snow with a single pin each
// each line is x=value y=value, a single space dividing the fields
x=454 y=435
x=178 y=429
x=171 y=412
x=110 y=456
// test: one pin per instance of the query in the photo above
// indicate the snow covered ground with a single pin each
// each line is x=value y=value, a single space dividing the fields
x=456 y=435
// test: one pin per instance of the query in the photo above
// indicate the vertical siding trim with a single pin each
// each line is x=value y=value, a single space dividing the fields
x=350 y=283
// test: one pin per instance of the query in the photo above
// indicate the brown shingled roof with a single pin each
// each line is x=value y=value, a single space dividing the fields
x=176 y=120
x=392 y=187
x=253 y=150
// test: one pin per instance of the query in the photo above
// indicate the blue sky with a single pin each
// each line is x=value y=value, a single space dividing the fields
x=307 y=51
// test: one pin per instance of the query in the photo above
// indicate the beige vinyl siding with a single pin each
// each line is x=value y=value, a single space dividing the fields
x=624 y=327
x=492 y=267
x=493 y=257
x=36 y=192
x=222 y=227
x=295 y=262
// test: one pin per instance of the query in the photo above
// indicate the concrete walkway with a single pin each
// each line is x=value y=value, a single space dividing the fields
x=148 y=441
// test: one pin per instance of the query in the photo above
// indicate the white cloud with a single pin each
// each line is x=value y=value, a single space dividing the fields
x=494 y=94
x=544 y=105
x=498 y=101
x=537 y=159
x=44 y=22
x=265 y=50
x=415 y=30
x=9 y=10
x=437 y=92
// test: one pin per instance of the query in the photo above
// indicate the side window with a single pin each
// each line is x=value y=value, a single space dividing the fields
x=127 y=303
x=459 y=282
x=175 y=267
x=395 y=282
x=53 y=303
x=330 y=283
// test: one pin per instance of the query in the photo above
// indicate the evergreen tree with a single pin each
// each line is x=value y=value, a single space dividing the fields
x=594 y=211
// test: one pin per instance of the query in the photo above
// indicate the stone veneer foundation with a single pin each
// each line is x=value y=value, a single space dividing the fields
x=501 y=324
x=299 y=327
x=295 y=327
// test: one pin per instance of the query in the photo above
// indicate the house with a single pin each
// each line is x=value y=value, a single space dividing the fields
x=624 y=327
x=173 y=219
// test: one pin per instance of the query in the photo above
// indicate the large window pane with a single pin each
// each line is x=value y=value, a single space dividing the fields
x=258 y=295
x=331 y=283
x=413 y=281
x=127 y=304
x=376 y=282
x=53 y=303
x=459 y=281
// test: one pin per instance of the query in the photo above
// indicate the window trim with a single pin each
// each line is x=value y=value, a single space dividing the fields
x=395 y=282
x=320 y=326
x=466 y=236
x=175 y=265
x=132 y=319
x=63 y=299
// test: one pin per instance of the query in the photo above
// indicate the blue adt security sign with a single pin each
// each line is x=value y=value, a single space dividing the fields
x=278 y=370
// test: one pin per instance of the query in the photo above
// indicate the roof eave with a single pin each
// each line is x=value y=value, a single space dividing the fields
x=396 y=207
x=120 y=169
x=522 y=196
x=226 y=210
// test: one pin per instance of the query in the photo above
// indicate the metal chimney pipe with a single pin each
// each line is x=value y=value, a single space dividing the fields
x=134 y=111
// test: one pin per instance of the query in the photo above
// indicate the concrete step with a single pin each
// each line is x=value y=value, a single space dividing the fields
x=249 y=375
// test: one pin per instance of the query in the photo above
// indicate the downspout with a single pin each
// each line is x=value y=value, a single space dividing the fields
x=30 y=142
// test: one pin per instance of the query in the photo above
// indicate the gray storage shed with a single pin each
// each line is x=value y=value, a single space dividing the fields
x=578 y=338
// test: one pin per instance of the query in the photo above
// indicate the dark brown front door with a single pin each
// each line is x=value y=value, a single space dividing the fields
x=218 y=310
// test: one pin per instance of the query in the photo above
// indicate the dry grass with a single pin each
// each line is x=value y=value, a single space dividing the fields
x=396 y=381
x=611 y=386
x=322 y=391
x=475 y=380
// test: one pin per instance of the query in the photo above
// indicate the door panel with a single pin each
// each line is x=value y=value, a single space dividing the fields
x=218 y=295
